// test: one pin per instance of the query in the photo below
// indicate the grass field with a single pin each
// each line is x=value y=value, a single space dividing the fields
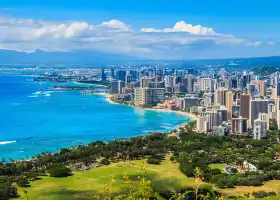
x=85 y=185
x=220 y=166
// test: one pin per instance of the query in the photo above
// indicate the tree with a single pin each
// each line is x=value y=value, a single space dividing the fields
x=7 y=190
x=105 y=161
x=60 y=171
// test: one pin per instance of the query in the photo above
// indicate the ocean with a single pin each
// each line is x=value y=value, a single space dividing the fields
x=35 y=118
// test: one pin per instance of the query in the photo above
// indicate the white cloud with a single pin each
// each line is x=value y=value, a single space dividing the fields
x=254 y=44
x=111 y=36
x=270 y=43
x=116 y=24
x=182 y=26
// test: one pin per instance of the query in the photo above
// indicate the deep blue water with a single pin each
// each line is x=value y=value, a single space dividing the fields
x=32 y=121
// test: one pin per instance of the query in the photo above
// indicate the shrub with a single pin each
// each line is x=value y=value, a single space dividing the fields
x=187 y=169
x=22 y=181
x=263 y=194
x=105 y=161
x=154 y=161
x=6 y=189
x=233 y=170
x=61 y=171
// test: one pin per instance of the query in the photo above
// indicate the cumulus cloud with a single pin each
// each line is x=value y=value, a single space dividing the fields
x=182 y=26
x=115 y=24
x=111 y=36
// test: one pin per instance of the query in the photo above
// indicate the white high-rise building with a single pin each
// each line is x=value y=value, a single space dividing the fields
x=260 y=129
x=206 y=84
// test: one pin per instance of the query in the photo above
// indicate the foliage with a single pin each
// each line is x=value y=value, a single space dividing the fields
x=154 y=161
x=7 y=190
x=263 y=194
x=233 y=170
x=60 y=171
x=105 y=161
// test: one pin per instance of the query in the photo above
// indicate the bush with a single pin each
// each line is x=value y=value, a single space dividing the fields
x=22 y=181
x=263 y=194
x=6 y=189
x=61 y=171
x=187 y=169
x=233 y=170
x=154 y=161
x=105 y=161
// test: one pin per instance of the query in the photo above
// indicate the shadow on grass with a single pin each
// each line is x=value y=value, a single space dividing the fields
x=165 y=187
x=67 y=194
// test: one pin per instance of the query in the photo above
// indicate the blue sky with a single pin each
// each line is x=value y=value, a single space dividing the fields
x=147 y=28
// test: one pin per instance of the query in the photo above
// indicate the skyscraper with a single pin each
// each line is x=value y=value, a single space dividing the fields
x=120 y=75
x=188 y=82
x=220 y=96
x=245 y=105
x=258 y=106
x=262 y=88
x=239 y=125
x=103 y=75
x=206 y=84
x=229 y=103
x=112 y=73
x=260 y=129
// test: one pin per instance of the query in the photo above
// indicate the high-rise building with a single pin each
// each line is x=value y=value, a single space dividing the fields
x=245 y=105
x=170 y=81
x=258 y=106
x=144 y=82
x=222 y=115
x=272 y=111
x=233 y=84
x=112 y=73
x=103 y=75
x=220 y=96
x=239 y=125
x=190 y=101
x=134 y=75
x=201 y=124
x=262 y=88
x=128 y=78
x=208 y=99
x=114 y=87
x=264 y=117
x=229 y=103
x=260 y=129
x=148 y=96
x=188 y=82
x=206 y=84
x=120 y=75
x=138 y=96
x=117 y=87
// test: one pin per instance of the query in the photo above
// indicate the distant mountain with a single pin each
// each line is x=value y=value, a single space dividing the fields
x=8 y=57
x=94 y=58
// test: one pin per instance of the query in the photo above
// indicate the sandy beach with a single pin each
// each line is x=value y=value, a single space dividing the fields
x=189 y=115
x=192 y=117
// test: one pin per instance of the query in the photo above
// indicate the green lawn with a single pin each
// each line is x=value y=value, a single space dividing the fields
x=220 y=166
x=85 y=185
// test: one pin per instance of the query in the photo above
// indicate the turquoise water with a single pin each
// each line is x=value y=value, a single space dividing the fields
x=33 y=121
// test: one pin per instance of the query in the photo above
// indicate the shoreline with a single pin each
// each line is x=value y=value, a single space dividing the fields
x=192 y=117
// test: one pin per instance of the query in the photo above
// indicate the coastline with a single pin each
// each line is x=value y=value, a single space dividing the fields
x=191 y=116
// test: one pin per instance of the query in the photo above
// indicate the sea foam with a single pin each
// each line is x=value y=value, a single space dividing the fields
x=7 y=142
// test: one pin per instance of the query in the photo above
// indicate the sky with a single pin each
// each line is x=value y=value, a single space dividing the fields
x=157 y=29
